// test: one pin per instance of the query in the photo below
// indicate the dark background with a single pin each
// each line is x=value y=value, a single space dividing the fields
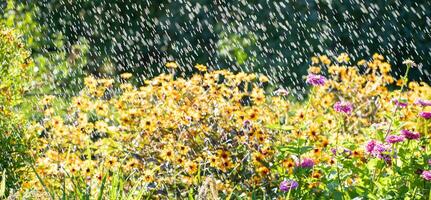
x=276 y=38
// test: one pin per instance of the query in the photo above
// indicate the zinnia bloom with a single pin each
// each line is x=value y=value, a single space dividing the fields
x=425 y=115
x=394 y=139
x=370 y=146
x=343 y=107
x=401 y=103
x=410 y=135
x=426 y=175
x=315 y=79
x=422 y=102
x=378 y=150
x=288 y=185
x=307 y=163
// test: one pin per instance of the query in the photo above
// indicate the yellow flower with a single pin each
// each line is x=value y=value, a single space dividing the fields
x=191 y=167
x=148 y=176
x=101 y=109
x=343 y=58
x=325 y=60
x=384 y=67
x=377 y=56
x=264 y=171
x=179 y=161
x=172 y=65
x=47 y=99
x=126 y=75
x=314 y=60
x=314 y=70
x=183 y=150
x=90 y=82
x=168 y=154
x=263 y=79
x=225 y=165
x=201 y=67
x=362 y=62
x=111 y=162
x=225 y=155
x=213 y=160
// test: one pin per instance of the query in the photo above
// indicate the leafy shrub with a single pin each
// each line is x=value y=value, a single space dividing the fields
x=15 y=70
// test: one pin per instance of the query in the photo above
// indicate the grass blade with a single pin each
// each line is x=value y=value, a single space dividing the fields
x=102 y=187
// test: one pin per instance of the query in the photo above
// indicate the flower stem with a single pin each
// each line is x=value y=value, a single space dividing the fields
x=288 y=194
x=405 y=79
x=340 y=184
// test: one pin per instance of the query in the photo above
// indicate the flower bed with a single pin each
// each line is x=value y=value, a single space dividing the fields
x=223 y=135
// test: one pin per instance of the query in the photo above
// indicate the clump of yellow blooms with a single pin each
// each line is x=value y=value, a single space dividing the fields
x=166 y=131
x=172 y=134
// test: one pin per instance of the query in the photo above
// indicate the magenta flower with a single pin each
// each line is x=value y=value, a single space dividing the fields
x=422 y=102
x=425 y=114
x=370 y=146
x=401 y=103
x=379 y=150
x=307 y=163
x=288 y=185
x=343 y=107
x=426 y=175
x=315 y=79
x=410 y=134
x=394 y=139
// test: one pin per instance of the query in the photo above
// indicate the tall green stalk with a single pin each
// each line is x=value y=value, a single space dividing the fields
x=405 y=80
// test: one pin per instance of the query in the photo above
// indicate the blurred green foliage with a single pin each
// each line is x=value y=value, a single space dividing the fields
x=58 y=68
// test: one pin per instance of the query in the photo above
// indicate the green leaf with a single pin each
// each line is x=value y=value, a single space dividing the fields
x=295 y=149
x=191 y=194
x=102 y=187
x=280 y=127
x=3 y=185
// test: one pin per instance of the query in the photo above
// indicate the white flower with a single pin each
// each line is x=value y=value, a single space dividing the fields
x=409 y=62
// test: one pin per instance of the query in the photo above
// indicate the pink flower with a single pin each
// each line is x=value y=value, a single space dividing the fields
x=426 y=175
x=394 y=139
x=370 y=146
x=401 y=103
x=379 y=150
x=410 y=135
x=343 y=107
x=422 y=102
x=315 y=79
x=425 y=115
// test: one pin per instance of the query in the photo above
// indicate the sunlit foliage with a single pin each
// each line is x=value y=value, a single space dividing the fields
x=15 y=72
